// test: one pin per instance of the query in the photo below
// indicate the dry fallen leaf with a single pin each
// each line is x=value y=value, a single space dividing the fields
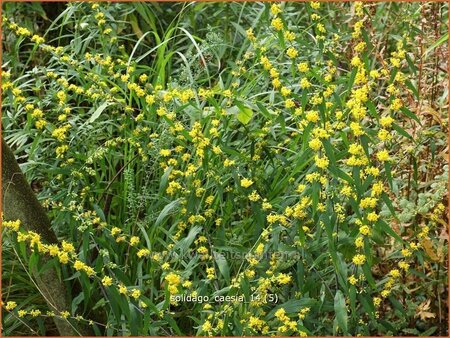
x=429 y=249
x=422 y=311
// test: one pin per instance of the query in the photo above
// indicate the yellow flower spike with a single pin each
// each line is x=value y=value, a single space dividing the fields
x=13 y=225
x=35 y=313
x=107 y=281
x=383 y=155
x=10 y=305
x=65 y=314
x=292 y=52
x=277 y=23
x=136 y=293
x=245 y=182
x=359 y=259
x=275 y=9
x=122 y=289
x=352 y=280
x=134 y=240
x=63 y=257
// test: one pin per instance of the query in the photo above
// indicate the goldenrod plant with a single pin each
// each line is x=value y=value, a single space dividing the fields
x=228 y=169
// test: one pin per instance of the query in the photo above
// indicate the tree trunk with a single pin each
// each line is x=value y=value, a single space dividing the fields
x=20 y=202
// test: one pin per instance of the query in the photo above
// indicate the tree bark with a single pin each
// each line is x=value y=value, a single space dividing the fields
x=20 y=202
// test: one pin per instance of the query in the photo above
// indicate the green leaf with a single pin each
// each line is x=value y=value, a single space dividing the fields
x=341 y=311
x=410 y=114
x=443 y=39
x=388 y=202
x=402 y=131
x=368 y=275
x=98 y=111
x=223 y=265
x=165 y=211
x=164 y=180
x=33 y=262
x=429 y=332
x=263 y=110
x=388 y=230
x=244 y=115
x=186 y=242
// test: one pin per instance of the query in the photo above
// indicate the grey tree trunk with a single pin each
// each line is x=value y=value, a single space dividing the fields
x=20 y=202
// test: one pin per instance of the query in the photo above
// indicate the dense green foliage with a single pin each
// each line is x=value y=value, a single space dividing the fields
x=294 y=155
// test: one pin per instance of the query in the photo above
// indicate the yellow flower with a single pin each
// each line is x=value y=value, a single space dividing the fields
x=250 y=35
x=173 y=278
x=254 y=196
x=61 y=133
x=395 y=273
x=384 y=135
x=356 y=129
x=275 y=9
x=37 y=39
x=143 y=253
x=289 y=103
x=134 y=240
x=403 y=265
x=115 y=231
x=10 y=305
x=364 y=230
x=321 y=162
x=285 y=91
x=89 y=271
x=78 y=265
x=372 y=217
x=312 y=116
x=383 y=155
x=165 y=152
x=280 y=313
x=122 y=289
x=143 y=78
x=283 y=278
x=245 y=182
x=63 y=257
x=406 y=252
x=352 y=280
x=65 y=314
x=135 y=293
x=304 y=83
x=368 y=202
x=37 y=113
x=359 y=259
x=107 y=281
x=277 y=23
x=276 y=83
x=13 y=225
x=150 y=99
x=35 y=313
x=40 y=124
x=292 y=52
x=289 y=36
x=206 y=327
x=386 y=121
x=374 y=74
x=61 y=150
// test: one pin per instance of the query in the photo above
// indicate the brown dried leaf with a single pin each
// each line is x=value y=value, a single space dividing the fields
x=422 y=311
x=429 y=249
